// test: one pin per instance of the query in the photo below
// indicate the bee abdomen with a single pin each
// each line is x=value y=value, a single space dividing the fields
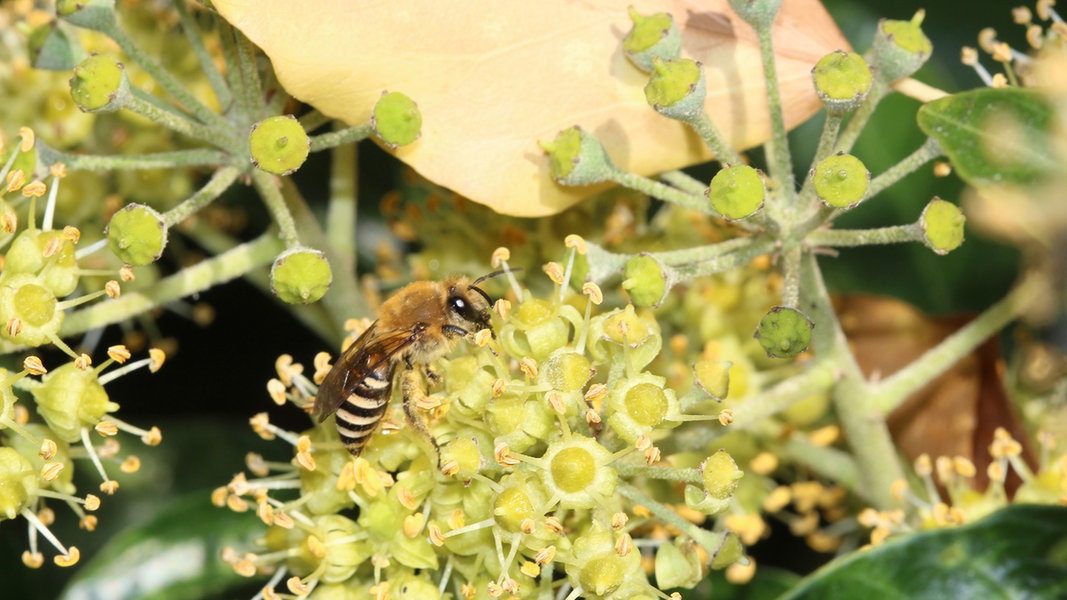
x=359 y=414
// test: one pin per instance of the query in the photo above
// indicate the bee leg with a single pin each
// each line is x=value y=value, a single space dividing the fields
x=431 y=374
x=413 y=395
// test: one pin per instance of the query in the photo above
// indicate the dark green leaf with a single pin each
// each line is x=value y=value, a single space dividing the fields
x=172 y=556
x=1017 y=552
x=993 y=135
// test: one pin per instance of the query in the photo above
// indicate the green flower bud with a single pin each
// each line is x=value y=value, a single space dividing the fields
x=18 y=483
x=676 y=89
x=899 y=48
x=578 y=158
x=578 y=472
x=396 y=119
x=721 y=477
x=713 y=376
x=54 y=49
x=736 y=192
x=70 y=399
x=535 y=328
x=98 y=15
x=842 y=80
x=942 y=226
x=645 y=280
x=841 y=180
x=757 y=13
x=784 y=332
x=98 y=84
x=136 y=234
x=300 y=276
x=652 y=37
x=29 y=309
x=676 y=567
x=279 y=144
x=729 y=552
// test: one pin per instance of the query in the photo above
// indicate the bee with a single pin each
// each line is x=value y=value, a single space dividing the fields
x=417 y=325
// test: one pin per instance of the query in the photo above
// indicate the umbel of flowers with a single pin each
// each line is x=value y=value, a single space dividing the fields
x=549 y=471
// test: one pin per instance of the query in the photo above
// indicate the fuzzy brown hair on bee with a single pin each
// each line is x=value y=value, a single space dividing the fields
x=417 y=325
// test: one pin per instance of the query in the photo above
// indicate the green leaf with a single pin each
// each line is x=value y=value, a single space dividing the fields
x=172 y=556
x=993 y=135
x=1017 y=552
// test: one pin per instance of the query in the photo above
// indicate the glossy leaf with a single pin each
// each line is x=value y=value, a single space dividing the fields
x=492 y=79
x=172 y=556
x=1017 y=552
x=993 y=135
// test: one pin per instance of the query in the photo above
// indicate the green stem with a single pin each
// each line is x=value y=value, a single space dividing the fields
x=251 y=89
x=685 y=182
x=790 y=269
x=688 y=256
x=824 y=461
x=268 y=187
x=662 y=191
x=892 y=391
x=924 y=154
x=859 y=415
x=859 y=119
x=661 y=473
x=342 y=210
x=341 y=137
x=714 y=139
x=815 y=379
x=897 y=234
x=158 y=160
x=175 y=121
x=726 y=261
x=711 y=541
x=781 y=163
x=190 y=280
x=167 y=81
x=312 y=120
x=207 y=61
x=219 y=183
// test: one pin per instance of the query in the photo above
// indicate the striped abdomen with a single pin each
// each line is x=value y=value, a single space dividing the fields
x=362 y=409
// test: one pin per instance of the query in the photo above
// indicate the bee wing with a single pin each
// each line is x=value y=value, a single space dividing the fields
x=373 y=349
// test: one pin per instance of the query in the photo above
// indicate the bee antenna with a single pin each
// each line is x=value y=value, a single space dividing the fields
x=496 y=273
x=481 y=293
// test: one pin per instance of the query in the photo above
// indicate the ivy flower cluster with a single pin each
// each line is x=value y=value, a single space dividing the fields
x=551 y=472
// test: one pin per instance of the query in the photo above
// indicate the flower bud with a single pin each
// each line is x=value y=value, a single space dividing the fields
x=677 y=89
x=577 y=158
x=300 y=275
x=841 y=180
x=136 y=234
x=278 y=145
x=736 y=192
x=757 y=13
x=97 y=83
x=645 y=280
x=721 y=476
x=396 y=119
x=677 y=568
x=899 y=48
x=70 y=399
x=784 y=332
x=842 y=80
x=652 y=37
x=942 y=226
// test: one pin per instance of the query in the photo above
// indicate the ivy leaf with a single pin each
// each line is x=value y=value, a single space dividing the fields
x=1017 y=552
x=993 y=135
x=491 y=79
